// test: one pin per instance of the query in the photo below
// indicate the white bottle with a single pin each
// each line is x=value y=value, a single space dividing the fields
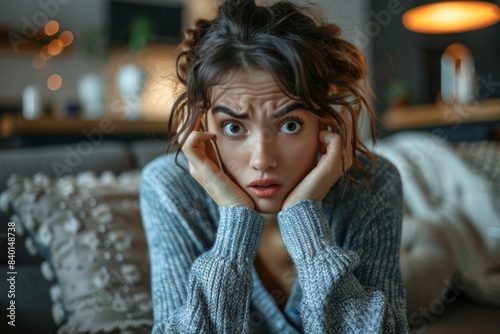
x=32 y=107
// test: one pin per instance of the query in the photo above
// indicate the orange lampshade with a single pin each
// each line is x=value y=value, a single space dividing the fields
x=445 y=17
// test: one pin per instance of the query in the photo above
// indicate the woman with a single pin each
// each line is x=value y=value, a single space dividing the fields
x=273 y=218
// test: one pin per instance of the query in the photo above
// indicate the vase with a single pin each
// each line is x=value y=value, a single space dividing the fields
x=130 y=81
x=91 y=93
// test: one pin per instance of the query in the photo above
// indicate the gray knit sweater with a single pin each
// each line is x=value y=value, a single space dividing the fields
x=345 y=250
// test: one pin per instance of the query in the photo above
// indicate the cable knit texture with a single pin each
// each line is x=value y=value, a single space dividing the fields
x=345 y=250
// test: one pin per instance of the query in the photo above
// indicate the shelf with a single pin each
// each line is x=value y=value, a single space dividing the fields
x=16 y=125
x=429 y=115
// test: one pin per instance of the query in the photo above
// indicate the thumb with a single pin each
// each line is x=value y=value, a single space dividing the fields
x=325 y=138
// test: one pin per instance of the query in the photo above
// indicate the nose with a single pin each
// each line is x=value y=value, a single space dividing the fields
x=262 y=152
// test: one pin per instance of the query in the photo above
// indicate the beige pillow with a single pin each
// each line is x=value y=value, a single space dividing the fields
x=89 y=230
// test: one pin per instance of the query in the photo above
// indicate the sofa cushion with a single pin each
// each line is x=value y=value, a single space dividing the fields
x=90 y=232
x=61 y=160
x=56 y=161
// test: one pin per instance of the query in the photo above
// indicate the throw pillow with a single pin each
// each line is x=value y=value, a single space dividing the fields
x=90 y=232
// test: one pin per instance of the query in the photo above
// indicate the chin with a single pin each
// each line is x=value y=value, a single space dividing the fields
x=267 y=206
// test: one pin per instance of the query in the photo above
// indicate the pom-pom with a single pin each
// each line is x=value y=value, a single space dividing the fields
x=30 y=246
x=47 y=271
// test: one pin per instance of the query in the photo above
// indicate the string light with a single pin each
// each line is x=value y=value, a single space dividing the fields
x=54 y=82
x=51 y=28
x=55 y=47
x=66 y=37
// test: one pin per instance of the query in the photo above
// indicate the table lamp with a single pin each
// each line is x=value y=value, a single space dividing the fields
x=446 y=17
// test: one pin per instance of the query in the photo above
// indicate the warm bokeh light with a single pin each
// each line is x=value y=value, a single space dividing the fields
x=55 y=47
x=451 y=17
x=51 y=28
x=54 y=82
x=44 y=53
x=38 y=62
x=66 y=37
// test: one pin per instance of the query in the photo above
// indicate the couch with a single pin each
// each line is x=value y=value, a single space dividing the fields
x=35 y=298
x=34 y=312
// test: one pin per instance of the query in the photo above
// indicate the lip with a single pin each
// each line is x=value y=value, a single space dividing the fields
x=264 y=191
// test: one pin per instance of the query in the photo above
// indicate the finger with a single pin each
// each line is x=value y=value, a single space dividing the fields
x=184 y=132
x=325 y=124
x=194 y=147
x=328 y=137
x=197 y=137
x=333 y=147
x=328 y=124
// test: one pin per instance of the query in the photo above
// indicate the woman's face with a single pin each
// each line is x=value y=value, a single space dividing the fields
x=267 y=141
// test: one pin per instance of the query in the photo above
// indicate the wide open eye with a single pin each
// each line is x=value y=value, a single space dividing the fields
x=291 y=126
x=232 y=128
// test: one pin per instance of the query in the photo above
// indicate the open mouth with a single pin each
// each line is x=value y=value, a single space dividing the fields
x=265 y=190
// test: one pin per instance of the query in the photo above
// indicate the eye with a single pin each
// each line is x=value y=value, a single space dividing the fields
x=291 y=126
x=233 y=129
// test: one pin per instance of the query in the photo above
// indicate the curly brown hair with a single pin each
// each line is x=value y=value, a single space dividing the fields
x=305 y=56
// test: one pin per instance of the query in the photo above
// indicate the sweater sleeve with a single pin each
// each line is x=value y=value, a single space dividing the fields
x=358 y=289
x=196 y=290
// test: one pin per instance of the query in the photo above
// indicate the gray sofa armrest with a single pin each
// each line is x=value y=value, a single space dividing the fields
x=144 y=151
x=60 y=160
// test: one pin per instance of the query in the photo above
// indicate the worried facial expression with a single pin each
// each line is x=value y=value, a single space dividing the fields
x=268 y=142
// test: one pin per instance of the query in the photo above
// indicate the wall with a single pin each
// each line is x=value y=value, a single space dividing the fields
x=76 y=15
x=17 y=70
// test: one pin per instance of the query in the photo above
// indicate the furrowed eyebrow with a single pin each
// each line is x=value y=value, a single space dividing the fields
x=288 y=109
x=278 y=114
x=229 y=112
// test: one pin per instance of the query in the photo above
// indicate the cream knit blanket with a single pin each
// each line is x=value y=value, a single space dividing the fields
x=441 y=188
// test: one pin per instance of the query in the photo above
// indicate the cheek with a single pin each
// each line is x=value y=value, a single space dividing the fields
x=229 y=151
x=304 y=148
x=301 y=154
x=232 y=156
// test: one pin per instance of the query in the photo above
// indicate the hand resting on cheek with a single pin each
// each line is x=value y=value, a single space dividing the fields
x=220 y=187
x=328 y=171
